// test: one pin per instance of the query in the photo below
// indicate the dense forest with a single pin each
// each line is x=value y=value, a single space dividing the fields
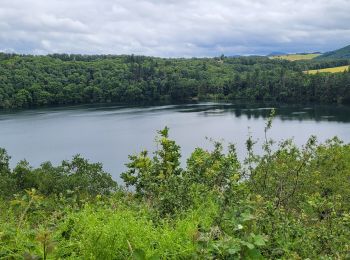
x=288 y=203
x=57 y=79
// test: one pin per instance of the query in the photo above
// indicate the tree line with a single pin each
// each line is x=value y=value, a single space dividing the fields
x=60 y=79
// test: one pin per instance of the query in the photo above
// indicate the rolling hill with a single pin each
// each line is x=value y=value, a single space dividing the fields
x=343 y=53
x=277 y=53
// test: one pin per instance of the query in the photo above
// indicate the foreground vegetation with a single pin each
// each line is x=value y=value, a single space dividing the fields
x=288 y=203
x=329 y=70
x=32 y=81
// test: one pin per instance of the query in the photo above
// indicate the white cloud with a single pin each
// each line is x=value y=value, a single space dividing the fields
x=173 y=27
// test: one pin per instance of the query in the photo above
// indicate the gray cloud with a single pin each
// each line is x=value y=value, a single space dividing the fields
x=173 y=27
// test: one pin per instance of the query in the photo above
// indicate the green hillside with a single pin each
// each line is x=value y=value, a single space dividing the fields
x=343 y=53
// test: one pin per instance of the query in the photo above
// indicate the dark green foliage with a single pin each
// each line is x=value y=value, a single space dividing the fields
x=77 y=176
x=32 y=81
x=7 y=183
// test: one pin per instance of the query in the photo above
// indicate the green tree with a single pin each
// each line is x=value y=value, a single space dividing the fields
x=7 y=183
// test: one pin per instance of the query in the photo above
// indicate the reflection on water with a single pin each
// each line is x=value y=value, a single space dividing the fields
x=109 y=133
x=338 y=113
x=316 y=113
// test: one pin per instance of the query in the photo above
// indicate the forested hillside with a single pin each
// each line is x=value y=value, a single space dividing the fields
x=343 y=53
x=31 y=81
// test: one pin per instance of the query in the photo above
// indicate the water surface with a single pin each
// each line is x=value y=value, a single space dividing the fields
x=108 y=134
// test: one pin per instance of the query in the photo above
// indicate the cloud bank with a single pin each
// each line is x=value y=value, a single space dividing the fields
x=173 y=28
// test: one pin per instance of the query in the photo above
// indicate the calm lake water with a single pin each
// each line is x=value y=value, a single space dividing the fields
x=108 y=134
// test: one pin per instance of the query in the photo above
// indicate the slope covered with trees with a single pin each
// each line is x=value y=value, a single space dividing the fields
x=288 y=203
x=32 y=81
x=343 y=53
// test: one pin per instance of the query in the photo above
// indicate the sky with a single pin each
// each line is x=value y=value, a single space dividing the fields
x=173 y=28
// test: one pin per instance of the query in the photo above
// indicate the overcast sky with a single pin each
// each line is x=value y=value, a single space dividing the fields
x=173 y=28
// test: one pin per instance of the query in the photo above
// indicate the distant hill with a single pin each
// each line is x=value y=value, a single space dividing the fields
x=343 y=53
x=277 y=53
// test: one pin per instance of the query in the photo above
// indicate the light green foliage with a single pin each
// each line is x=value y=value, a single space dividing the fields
x=215 y=170
x=289 y=202
x=120 y=232
x=159 y=180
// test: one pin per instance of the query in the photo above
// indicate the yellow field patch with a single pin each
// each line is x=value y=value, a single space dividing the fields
x=294 y=57
x=329 y=70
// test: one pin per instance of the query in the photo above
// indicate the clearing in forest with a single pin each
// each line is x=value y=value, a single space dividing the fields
x=294 y=57
x=329 y=70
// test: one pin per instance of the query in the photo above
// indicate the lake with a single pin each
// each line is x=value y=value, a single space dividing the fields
x=109 y=133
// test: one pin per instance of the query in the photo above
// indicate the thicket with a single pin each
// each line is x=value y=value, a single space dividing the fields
x=287 y=203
